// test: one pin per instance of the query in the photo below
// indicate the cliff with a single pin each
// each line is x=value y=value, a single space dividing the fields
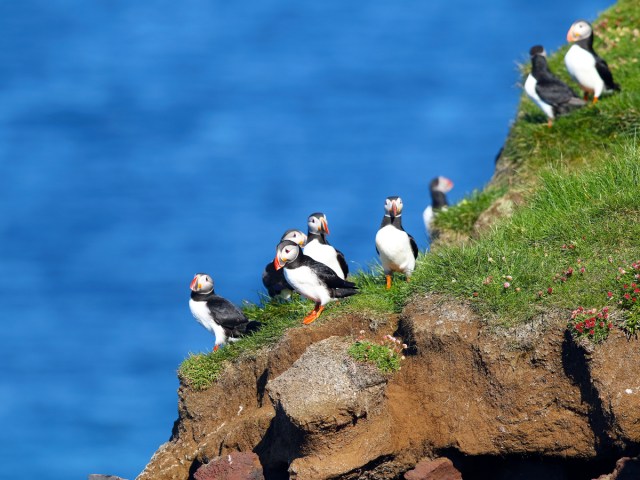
x=496 y=377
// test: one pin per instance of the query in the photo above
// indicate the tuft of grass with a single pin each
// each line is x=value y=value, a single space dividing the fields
x=386 y=355
x=462 y=217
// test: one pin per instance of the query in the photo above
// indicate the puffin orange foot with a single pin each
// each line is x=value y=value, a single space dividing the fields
x=215 y=349
x=315 y=313
x=549 y=123
x=595 y=100
x=388 y=282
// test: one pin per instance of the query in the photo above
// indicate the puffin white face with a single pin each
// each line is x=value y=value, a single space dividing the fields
x=579 y=30
x=444 y=185
x=295 y=236
x=202 y=283
x=317 y=223
x=286 y=251
x=393 y=206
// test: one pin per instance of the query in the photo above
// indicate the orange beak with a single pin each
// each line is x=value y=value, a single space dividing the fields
x=449 y=184
x=276 y=263
x=325 y=226
x=570 y=35
x=194 y=282
x=394 y=208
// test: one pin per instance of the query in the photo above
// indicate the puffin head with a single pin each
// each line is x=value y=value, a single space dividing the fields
x=579 y=30
x=286 y=251
x=537 y=50
x=202 y=283
x=317 y=223
x=442 y=184
x=393 y=206
x=295 y=236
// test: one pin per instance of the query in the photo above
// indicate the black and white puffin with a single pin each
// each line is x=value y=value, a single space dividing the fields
x=318 y=247
x=311 y=279
x=273 y=279
x=397 y=249
x=550 y=93
x=584 y=65
x=439 y=187
x=217 y=314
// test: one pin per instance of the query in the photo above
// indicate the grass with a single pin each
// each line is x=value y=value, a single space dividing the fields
x=386 y=355
x=561 y=250
x=462 y=217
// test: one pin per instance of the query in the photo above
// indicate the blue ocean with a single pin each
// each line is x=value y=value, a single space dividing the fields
x=142 y=142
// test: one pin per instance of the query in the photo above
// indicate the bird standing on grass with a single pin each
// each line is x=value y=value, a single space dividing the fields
x=318 y=247
x=584 y=65
x=397 y=249
x=217 y=314
x=311 y=279
x=439 y=187
x=273 y=279
x=550 y=93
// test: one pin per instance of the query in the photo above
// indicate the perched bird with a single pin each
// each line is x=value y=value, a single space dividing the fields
x=318 y=247
x=397 y=249
x=439 y=187
x=273 y=279
x=584 y=65
x=217 y=314
x=550 y=93
x=311 y=279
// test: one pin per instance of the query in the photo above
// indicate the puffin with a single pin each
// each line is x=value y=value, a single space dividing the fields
x=438 y=188
x=550 y=93
x=318 y=247
x=217 y=314
x=397 y=249
x=273 y=279
x=310 y=278
x=585 y=66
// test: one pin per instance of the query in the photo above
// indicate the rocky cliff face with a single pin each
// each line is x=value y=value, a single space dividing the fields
x=520 y=403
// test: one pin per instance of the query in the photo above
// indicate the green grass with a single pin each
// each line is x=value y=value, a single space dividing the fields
x=595 y=214
x=582 y=209
x=462 y=217
x=386 y=356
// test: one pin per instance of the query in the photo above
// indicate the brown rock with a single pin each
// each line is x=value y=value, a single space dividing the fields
x=234 y=466
x=333 y=416
x=626 y=469
x=438 y=469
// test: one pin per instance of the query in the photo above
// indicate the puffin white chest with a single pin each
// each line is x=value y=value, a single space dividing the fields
x=530 y=88
x=581 y=65
x=305 y=281
x=202 y=314
x=324 y=254
x=395 y=250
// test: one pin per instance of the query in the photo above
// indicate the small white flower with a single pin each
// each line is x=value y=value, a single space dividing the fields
x=628 y=391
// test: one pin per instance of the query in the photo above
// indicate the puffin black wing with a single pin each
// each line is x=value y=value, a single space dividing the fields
x=605 y=73
x=274 y=280
x=414 y=246
x=342 y=262
x=228 y=316
x=338 y=288
x=553 y=91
